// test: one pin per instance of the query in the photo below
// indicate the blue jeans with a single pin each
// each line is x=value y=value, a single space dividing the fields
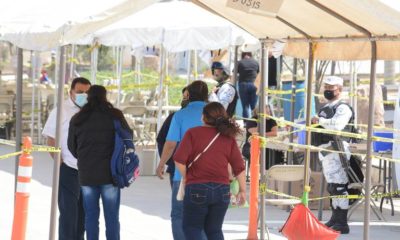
x=176 y=213
x=110 y=196
x=204 y=209
x=71 y=223
x=248 y=97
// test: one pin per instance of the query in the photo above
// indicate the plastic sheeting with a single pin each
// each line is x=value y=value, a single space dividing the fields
x=303 y=225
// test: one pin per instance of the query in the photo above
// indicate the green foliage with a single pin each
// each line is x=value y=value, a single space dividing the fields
x=149 y=81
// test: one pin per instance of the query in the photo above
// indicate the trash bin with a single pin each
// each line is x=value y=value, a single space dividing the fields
x=299 y=101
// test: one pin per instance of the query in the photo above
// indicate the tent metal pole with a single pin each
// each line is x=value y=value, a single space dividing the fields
x=308 y=113
x=120 y=51
x=160 y=86
x=195 y=73
x=292 y=109
x=371 y=108
x=262 y=102
x=57 y=163
x=189 y=68
x=18 y=113
x=235 y=65
x=93 y=63
x=72 y=64
x=33 y=98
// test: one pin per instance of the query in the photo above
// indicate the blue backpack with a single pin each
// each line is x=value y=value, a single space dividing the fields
x=124 y=161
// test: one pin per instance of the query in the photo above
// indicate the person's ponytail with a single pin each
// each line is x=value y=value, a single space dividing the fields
x=215 y=115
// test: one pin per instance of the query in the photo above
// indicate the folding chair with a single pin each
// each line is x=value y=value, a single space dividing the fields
x=285 y=173
x=385 y=148
x=381 y=148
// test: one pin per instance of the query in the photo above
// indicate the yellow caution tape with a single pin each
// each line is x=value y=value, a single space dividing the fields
x=143 y=85
x=331 y=132
x=37 y=148
x=280 y=92
x=263 y=190
x=7 y=142
x=8 y=155
x=264 y=142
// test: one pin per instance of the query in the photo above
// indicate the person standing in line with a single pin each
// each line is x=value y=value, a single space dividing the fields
x=248 y=69
x=91 y=141
x=225 y=92
x=203 y=158
x=71 y=222
x=186 y=118
x=162 y=135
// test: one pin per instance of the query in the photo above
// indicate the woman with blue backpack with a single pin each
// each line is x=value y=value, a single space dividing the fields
x=91 y=140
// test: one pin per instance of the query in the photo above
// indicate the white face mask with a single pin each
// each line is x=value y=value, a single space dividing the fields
x=80 y=99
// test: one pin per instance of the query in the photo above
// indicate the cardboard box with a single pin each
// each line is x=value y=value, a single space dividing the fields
x=297 y=190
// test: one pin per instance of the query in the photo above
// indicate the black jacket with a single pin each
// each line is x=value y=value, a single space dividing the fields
x=161 y=139
x=92 y=142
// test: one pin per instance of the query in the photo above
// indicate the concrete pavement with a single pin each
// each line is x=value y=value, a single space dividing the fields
x=145 y=208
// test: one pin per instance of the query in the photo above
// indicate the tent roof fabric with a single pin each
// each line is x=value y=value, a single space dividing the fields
x=32 y=25
x=177 y=25
x=302 y=19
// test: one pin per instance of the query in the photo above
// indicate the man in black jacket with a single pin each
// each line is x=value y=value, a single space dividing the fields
x=162 y=135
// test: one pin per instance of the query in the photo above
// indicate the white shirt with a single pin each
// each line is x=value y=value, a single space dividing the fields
x=331 y=163
x=49 y=130
x=225 y=96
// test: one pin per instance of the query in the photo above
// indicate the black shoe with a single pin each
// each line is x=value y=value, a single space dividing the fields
x=341 y=221
x=343 y=229
x=333 y=219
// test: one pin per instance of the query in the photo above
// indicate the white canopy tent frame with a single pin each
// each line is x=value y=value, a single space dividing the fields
x=32 y=32
x=364 y=37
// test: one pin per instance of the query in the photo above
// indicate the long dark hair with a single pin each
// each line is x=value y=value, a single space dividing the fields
x=97 y=101
x=214 y=114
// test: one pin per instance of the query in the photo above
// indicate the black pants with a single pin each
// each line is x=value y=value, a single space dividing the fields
x=72 y=217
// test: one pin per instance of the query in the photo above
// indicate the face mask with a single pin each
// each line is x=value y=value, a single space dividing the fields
x=329 y=94
x=80 y=99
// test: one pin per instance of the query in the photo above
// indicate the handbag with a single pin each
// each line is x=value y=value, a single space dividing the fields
x=181 y=191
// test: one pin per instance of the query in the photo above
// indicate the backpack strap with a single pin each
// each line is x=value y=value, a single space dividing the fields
x=125 y=135
x=205 y=149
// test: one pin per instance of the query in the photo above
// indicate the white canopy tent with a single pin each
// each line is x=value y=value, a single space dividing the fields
x=30 y=25
x=320 y=29
x=45 y=24
x=177 y=26
x=301 y=19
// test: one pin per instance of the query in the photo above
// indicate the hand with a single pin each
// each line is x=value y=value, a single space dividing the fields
x=241 y=198
x=315 y=120
x=215 y=89
x=160 y=170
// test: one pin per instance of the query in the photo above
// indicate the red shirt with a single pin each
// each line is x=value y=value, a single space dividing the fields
x=212 y=166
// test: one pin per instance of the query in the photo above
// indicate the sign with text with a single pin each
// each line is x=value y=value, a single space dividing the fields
x=250 y=6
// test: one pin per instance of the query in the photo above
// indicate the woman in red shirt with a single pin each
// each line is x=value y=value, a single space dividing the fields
x=207 y=180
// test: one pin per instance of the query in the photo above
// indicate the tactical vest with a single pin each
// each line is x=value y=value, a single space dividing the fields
x=328 y=112
x=232 y=105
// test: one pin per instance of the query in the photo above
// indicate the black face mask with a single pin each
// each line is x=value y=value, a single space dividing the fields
x=329 y=94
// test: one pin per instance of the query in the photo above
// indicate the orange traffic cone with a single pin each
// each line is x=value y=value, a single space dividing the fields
x=22 y=193
x=254 y=186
